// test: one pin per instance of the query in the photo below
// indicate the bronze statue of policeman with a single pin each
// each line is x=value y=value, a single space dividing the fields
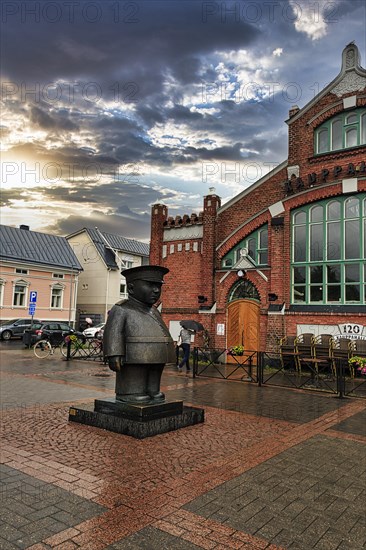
x=136 y=341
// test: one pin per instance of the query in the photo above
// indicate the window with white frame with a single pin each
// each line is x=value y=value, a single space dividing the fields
x=21 y=271
x=56 y=296
x=123 y=289
x=20 y=293
x=343 y=131
x=58 y=275
x=126 y=264
x=328 y=252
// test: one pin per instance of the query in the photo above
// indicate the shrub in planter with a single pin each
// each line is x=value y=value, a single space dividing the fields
x=358 y=363
x=237 y=350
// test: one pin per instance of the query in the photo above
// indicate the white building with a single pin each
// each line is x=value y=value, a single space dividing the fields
x=103 y=256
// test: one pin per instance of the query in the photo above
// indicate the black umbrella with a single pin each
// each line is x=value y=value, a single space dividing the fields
x=192 y=325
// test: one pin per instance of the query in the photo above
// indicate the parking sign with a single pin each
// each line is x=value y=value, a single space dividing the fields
x=33 y=297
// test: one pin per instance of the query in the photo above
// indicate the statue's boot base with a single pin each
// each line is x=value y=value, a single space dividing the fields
x=133 y=398
x=158 y=397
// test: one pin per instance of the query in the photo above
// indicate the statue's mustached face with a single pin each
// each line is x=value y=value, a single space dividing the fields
x=147 y=292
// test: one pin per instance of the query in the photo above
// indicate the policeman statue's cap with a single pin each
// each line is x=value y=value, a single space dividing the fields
x=153 y=273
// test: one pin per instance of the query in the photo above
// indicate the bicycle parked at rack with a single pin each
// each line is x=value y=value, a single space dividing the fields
x=51 y=342
x=95 y=345
x=47 y=346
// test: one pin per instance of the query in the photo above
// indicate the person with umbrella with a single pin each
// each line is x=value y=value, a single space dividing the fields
x=188 y=328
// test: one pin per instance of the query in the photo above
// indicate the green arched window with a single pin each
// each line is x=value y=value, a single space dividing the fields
x=328 y=252
x=243 y=289
x=256 y=245
x=342 y=131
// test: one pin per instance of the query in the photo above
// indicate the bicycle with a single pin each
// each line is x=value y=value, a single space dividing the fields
x=47 y=346
x=44 y=348
x=95 y=345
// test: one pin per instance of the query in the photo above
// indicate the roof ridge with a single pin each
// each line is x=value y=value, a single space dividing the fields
x=121 y=236
x=35 y=247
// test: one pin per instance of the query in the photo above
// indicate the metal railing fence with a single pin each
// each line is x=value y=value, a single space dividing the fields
x=90 y=349
x=266 y=368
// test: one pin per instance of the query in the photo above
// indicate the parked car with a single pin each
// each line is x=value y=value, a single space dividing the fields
x=92 y=331
x=15 y=328
x=52 y=330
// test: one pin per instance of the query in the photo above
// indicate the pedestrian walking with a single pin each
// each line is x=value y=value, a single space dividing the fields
x=185 y=336
x=87 y=323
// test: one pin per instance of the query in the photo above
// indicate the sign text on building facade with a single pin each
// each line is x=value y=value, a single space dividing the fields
x=297 y=184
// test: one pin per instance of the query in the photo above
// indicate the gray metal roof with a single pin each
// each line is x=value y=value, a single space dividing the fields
x=26 y=246
x=130 y=246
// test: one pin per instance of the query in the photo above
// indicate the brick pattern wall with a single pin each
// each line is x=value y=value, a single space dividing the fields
x=211 y=204
x=301 y=132
x=248 y=207
x=159 y=215
x=184 y=257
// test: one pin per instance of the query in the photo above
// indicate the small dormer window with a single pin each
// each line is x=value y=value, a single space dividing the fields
x=342 y=131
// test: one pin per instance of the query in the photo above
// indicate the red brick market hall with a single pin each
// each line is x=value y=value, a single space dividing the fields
x=287 y=255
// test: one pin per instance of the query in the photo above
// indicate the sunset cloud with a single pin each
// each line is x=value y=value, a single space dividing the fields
x=108 y=107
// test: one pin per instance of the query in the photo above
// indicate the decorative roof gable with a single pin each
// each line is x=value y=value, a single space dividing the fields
x=352 y=78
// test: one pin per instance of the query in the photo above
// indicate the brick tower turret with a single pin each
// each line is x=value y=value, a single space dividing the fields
x=211 y=203
x=159 y=213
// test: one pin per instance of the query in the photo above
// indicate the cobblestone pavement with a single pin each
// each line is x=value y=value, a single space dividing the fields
x=270 y=468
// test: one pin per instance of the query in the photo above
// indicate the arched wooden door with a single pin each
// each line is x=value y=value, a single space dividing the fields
x=243 y=325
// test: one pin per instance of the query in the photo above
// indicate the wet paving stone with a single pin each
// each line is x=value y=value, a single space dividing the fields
x=280 y=404
x=153 y=539
x=32 y=510
x=311 y=506
x=356 y=424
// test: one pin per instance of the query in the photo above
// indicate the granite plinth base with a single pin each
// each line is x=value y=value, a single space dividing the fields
x=138 y=421
x=136 y=411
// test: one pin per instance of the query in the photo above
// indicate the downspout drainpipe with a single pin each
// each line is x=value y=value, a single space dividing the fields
x=106 y=295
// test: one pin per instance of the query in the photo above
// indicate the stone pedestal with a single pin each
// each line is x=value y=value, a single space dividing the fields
x=136 y=420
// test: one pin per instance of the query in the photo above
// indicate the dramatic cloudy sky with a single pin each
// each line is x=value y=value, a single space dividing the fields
x=110 y=106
